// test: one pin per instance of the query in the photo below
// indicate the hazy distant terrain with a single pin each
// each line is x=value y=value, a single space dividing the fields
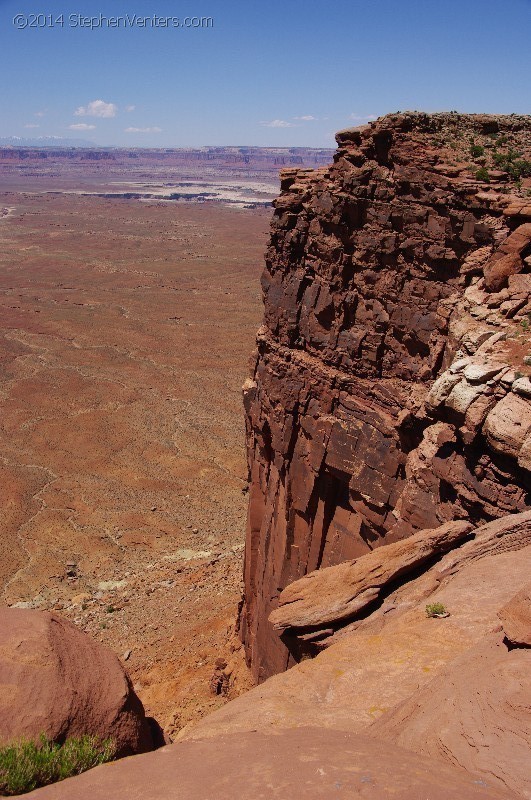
x=125 y=334
x=248 y=174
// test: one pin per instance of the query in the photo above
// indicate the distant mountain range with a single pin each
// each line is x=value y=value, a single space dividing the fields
x=44 y=141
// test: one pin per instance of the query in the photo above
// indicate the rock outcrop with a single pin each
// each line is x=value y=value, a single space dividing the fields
x=54 y=679
x=390 y=391
x=476 y=713
x=301 y=763
x=455 y=689
x=335 y=594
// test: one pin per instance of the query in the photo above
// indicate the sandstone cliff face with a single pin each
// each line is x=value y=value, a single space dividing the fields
x=390 y=390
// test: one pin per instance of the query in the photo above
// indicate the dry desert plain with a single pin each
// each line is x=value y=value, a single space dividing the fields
x=125 y=333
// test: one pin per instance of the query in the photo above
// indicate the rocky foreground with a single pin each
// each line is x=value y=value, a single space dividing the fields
x=398 y=705
x=389 y=440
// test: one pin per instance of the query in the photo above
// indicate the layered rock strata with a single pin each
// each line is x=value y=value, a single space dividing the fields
x=390 y=389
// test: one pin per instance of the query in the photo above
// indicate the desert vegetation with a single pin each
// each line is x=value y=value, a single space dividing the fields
x=27 y=765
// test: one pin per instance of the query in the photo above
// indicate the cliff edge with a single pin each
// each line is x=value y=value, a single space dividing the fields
x=390 y=389
x=389 y=447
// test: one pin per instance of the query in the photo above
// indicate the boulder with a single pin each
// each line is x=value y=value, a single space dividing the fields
x=516 y=618
x=336 y=593
x=508 y=425
x=54 y=679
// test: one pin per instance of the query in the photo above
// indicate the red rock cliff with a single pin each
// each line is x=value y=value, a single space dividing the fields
x=390 y=389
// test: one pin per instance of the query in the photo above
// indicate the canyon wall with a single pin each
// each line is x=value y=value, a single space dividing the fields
x=390 y=389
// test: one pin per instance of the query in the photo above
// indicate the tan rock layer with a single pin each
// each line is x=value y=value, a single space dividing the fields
x=476 y=714
x=334 y=594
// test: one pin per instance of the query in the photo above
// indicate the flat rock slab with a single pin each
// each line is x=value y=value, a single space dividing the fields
x=337 y=593
x=302 y=763
x=475 y=713
x=516 y=618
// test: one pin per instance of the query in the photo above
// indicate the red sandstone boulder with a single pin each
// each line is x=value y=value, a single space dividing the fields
x=516 y=618
x=337 y=593
x=54 y=679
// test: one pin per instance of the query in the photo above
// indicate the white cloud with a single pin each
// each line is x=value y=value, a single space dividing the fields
x=129 y=108
x=97 y=108
x=31 y=125
x=306 y=118
x=39 y=113
x=81 y=126
x=278 y=123
x=143 y=130
x=362 y=118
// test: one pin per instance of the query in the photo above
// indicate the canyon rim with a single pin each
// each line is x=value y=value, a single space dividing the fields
x=388 y=437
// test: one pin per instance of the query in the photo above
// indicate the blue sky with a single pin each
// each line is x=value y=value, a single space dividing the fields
x=276 y=73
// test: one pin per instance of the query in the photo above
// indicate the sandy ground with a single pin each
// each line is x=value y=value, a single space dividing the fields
x=125 y=334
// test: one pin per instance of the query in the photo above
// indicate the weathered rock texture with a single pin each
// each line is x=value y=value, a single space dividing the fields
x=55 y=680
x=390 y=391
x=475 y=714
x=516 y=618
x=337 y=593
x=302 y=763
x=454 y=688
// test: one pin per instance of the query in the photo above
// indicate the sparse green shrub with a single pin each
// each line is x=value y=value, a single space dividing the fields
x=482 y=174
x=435 y=610
x=513 y=163
x=25 y=766
x=477 y=150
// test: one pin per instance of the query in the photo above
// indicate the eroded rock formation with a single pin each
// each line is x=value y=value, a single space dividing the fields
x=54 y=679
x=390 y=391
x=303 y=763
x=454 y=688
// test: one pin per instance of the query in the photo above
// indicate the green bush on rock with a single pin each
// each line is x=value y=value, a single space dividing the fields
x=25 y=765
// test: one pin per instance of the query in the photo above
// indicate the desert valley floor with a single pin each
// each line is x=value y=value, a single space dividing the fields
x=126 y=328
